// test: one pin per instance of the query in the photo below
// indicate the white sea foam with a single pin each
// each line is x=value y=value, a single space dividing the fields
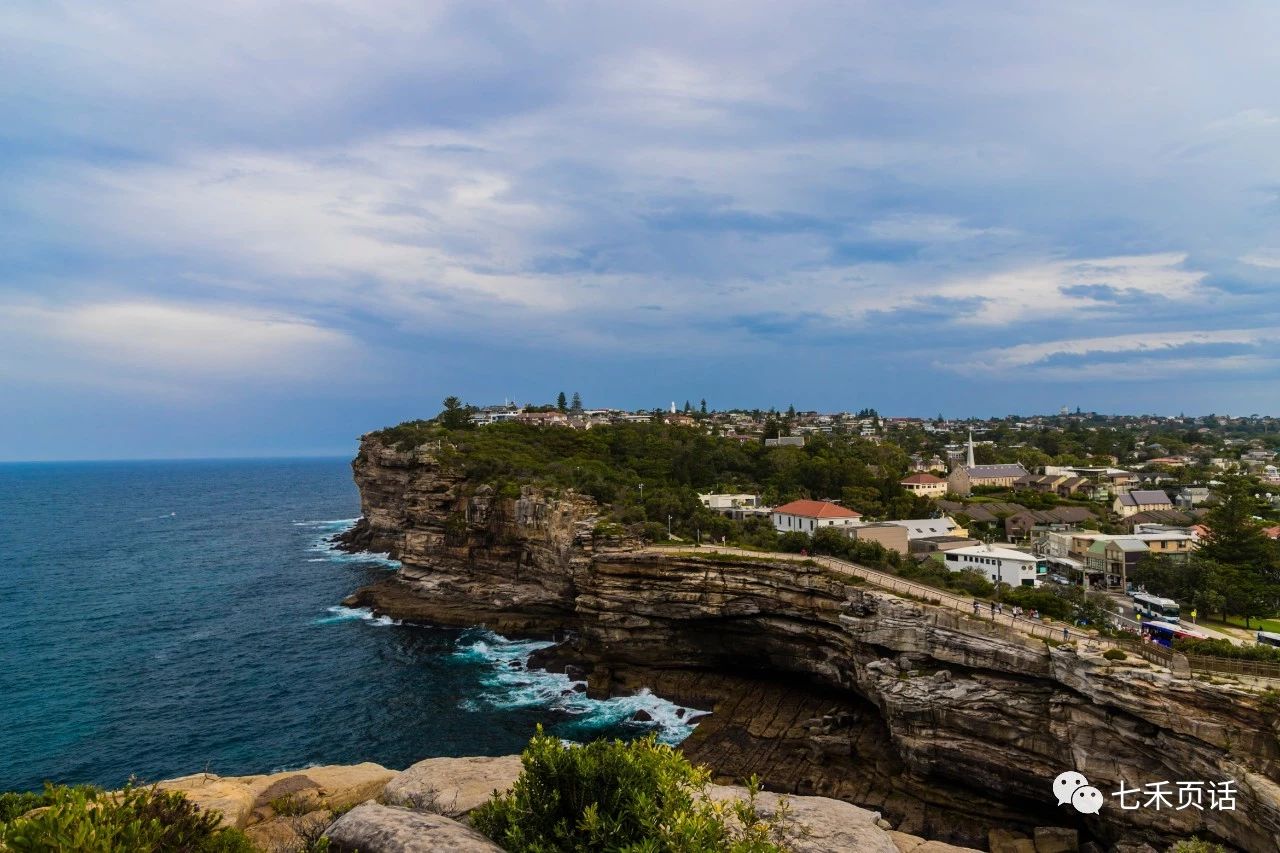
x=510 y=686
x=323 y=544
x=338 y=613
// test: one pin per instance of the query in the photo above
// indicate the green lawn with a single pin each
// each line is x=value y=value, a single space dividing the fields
x=1272 y=625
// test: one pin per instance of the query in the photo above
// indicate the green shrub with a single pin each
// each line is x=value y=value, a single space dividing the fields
x=609 y=795
x=292 y=805
x=14 y=804
x=1196 y=845
x=1226 y=649
x=89 y=820
x=1114 y=654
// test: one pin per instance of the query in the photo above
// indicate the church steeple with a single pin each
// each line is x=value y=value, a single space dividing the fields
x=970 y=463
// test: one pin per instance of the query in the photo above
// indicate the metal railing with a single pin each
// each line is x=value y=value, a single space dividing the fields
x=1234 y=666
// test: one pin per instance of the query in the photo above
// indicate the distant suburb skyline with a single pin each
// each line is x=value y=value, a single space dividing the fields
x=262 y=229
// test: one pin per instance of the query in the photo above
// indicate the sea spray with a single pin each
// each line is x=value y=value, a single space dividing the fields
x=338 y=613
x=325 y=543
x=509 y=683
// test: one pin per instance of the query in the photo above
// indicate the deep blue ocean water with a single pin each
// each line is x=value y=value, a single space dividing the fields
x=165 y=618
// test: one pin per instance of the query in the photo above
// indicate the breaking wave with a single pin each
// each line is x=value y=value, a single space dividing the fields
x=323 y=544
x=338 y=613
x=509 y=683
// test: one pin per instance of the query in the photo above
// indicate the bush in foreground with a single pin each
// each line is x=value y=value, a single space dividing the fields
x=637 y=797
x=135 y=820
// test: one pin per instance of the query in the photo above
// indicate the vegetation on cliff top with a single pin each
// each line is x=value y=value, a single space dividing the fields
x=637 y=797
x=89 y=820
x=673 y=463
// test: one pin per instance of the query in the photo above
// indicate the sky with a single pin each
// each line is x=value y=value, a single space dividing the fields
x=264 y=228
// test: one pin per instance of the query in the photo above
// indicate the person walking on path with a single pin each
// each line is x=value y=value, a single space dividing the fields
x=1066 y=634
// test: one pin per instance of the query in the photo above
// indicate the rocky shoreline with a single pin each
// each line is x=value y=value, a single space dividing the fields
x=818 y=685
x=371 y=809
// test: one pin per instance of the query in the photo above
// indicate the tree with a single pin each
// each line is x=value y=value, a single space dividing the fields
x=1235 y=538
x=561 y=402
x=703 y=407
x=576 y=405
x=455 y=414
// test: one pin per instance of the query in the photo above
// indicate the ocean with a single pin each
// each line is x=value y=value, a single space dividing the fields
x=166 y=618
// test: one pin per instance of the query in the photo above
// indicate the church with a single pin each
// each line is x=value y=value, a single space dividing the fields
x=963 y=478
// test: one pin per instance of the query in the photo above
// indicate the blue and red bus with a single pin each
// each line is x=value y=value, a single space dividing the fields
x=1164 y=633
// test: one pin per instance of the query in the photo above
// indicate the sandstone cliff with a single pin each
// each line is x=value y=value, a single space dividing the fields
x=819 y=686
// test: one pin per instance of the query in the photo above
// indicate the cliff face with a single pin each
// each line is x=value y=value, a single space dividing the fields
x=470 y=556
x=821 y=687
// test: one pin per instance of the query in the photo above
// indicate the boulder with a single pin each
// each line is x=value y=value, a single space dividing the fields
x=232 y=797
x=452 y=786
x=342 y=786
x=827 y=825
x=371 y=828
x=241 y=799
x=1056 y=839
x=288 y=833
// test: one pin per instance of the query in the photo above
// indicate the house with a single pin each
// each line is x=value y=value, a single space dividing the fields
x=923 y=528
x=1107 y=559
x=1189 y=497
x=925 y=485
x=734 y=506
x=808 y=516
x=785 y=441
x=1141 y=500
x=543 y=418
x=891 y=536
x=998 y=565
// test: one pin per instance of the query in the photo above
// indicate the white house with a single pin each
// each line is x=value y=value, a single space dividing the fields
x=808 y=516
x=726 y=501
x=998 y=565
x=734 y=506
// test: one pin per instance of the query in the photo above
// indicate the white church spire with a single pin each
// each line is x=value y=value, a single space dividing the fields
x=970 y=463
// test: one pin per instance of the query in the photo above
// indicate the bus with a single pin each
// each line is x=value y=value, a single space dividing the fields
x=1164 y=633
x=1154 y=607
x=1266 y=638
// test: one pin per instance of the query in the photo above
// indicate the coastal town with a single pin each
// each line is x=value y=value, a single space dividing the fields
x=1112 y=505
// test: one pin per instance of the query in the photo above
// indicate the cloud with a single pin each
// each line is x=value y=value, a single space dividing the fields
x=167 y=348
x=1146 y=354
x=1265 y=258
x=856 y=185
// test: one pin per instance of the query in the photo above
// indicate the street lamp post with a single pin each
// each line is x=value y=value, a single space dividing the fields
x=668 y=526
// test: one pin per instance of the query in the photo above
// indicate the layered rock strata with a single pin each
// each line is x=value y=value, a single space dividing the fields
x=819 y=685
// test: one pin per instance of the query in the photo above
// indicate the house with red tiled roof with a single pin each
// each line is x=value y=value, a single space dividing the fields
x=808 y=516
x=925 y=485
